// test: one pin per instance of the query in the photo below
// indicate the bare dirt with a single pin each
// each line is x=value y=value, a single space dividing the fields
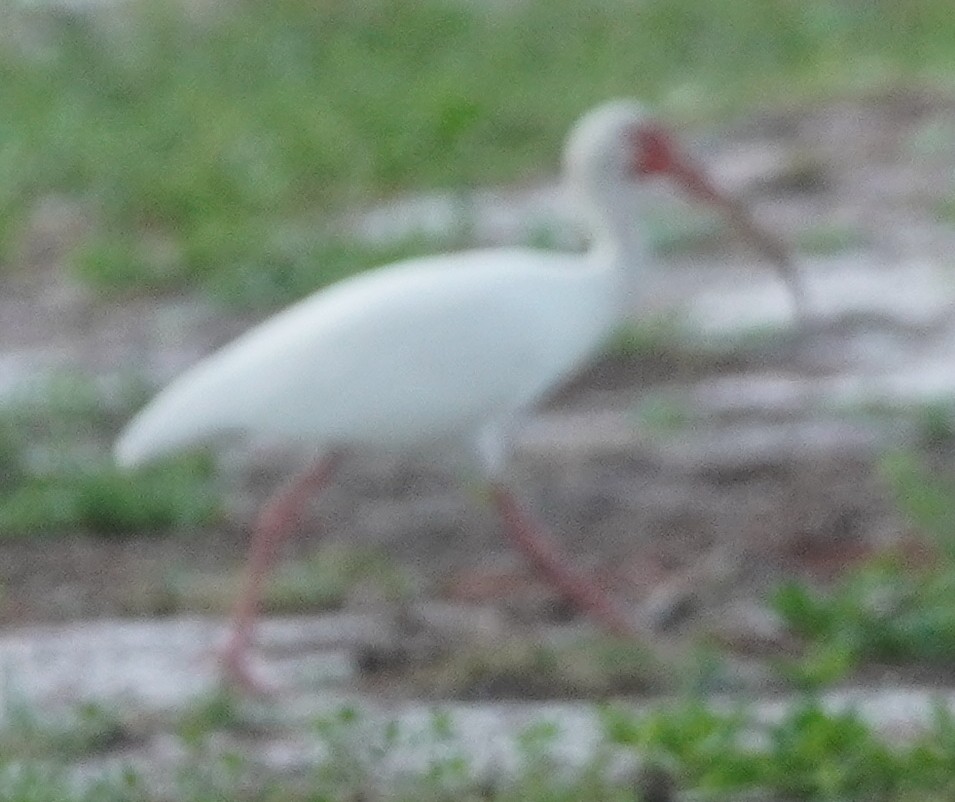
x=690 y=478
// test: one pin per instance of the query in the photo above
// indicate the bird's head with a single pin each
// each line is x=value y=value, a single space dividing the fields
x=615 y=144
x=618 y=146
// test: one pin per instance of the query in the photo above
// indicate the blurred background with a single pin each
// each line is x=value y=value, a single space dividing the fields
x=775 y=501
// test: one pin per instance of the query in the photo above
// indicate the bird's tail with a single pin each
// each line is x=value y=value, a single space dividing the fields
x=169 y=423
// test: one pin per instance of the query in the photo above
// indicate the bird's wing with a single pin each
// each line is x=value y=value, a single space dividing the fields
x=417 y=350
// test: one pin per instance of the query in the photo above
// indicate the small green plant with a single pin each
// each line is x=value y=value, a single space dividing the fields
x=88 y=729
x=55 y=476
x=925 y=498
x=114 y=264
x=352 y=750
x=38 y=781
x=218 y=711
x=828 y=239
x=323 y=581
x=519 y=669
x=811 y=752
x=885 y=611
x=890 y=609
x=652 y=335
x=328 y=577
x=13 y=468
x=356 y=747
x=945 y=210
x=936 y=424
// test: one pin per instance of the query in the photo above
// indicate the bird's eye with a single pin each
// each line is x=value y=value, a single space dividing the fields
x=654 y=151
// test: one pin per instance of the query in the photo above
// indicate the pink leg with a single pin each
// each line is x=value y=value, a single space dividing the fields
x=539 y=547
x=276 y=522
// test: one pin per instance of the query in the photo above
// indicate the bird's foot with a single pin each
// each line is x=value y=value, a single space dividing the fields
x=238 y=674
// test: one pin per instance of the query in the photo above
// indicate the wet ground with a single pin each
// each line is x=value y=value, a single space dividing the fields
x=733 y=448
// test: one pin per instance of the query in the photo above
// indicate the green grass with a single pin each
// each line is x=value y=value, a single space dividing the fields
x=88 y=730
x=652 y=335
x=828 y=239
x=215 y=149
x=885 y=612
x=945 y=211
x=323 y=581
x=56 y=474
x=219 y=711
x=516 y=668
x=891 y=609
x=809 y=752
x=923 y=496
x=39 y=782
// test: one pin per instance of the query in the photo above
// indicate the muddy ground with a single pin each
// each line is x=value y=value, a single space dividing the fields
x=690 y=476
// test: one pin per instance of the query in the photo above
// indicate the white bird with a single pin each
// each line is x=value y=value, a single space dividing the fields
x=436 y=349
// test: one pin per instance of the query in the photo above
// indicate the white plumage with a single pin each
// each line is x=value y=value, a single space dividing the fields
x=422 y=351
x=426 y=349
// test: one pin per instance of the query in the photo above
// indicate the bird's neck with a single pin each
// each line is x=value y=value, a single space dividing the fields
x=620 y=249
x=614 y=268
x=618 y=246
x=612 y=214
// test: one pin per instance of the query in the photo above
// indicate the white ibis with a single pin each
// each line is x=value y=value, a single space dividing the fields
x=436 y=349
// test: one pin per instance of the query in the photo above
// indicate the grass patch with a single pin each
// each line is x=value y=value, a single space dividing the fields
x=885 y=611
x=55 y=476
x=650 y=336
x=88 y=729
x=195 y=139
x=945 y=210
x=322 y=582
x=925 y=498
x=357 y=747
x=935 y=428
x=828 y=239
x=809 y=753
x=892 y=609
x=217 y=712
x=519 y=669
x=99 y=498
x=41 y=782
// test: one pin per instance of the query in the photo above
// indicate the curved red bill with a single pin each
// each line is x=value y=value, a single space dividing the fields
x=656 y=155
